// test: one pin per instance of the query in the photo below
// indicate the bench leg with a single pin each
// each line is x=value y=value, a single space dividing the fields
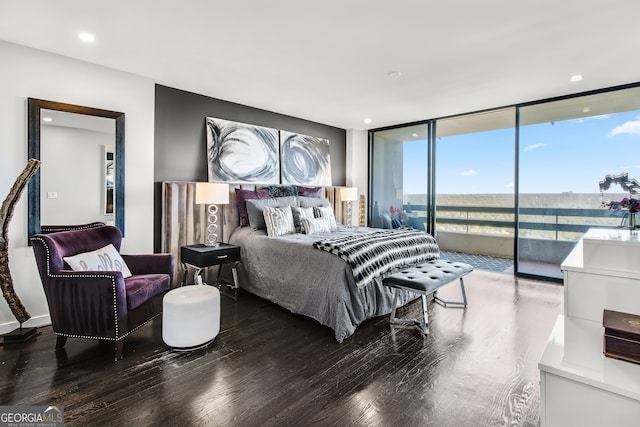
x=444 y=303
x=422 y=326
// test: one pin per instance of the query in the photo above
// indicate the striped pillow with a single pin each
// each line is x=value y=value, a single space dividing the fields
x=326 y=212
x=279 y=221
x=298 y=215
x=315 y=225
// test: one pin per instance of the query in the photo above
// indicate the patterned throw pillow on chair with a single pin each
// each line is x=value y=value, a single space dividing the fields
x=103 y=259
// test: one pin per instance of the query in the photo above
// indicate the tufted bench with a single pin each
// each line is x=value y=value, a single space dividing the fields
x=425 y=279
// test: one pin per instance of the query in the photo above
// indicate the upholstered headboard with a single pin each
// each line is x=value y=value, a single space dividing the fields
x=231 y=217
x=184 y=222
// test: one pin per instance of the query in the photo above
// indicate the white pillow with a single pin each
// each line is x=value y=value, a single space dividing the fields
x=103 y=259
x=326 y=212
x=255 y=209
x=279 y=221
x=315 y=225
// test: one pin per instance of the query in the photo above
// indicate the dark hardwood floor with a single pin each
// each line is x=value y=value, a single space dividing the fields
x=478 y=367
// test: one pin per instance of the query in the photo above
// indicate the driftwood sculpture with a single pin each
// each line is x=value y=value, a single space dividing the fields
x=8 y=206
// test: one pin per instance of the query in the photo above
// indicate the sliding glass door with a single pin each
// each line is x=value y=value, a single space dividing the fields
x=519 y=183
x=474 y=184
x=566 y=148
x=400 y=177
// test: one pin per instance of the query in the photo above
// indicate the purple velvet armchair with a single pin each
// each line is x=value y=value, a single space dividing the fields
x=100 y=305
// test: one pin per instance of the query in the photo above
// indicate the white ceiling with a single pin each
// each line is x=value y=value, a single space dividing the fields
x=327 y=61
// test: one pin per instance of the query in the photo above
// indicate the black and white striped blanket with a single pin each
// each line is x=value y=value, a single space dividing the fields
x=373 y=254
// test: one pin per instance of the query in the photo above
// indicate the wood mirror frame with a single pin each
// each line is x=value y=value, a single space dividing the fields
x=35 y=106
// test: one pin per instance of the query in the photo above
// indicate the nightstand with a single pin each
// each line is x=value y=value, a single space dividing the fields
x=200 y=256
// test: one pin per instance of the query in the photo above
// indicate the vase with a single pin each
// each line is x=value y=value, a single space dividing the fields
x=632 y=220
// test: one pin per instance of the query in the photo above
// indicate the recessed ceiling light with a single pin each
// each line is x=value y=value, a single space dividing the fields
x=415 y=135
x=367 y=120
x=86 y=37
x=586 y=109
x=394 y=74
x=47 y=119
x=575 y=78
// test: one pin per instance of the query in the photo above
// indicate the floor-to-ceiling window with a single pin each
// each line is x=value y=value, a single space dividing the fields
x=566 y=148
x=474 y=184
x=400 y=177
x=519 y=182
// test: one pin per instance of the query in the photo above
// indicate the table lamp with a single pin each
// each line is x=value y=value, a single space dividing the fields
x=347 y=195
x=212 y=194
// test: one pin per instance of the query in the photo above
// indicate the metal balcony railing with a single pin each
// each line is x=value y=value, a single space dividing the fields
x=556 y=220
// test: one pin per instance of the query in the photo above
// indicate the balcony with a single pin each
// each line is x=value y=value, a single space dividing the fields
x=546 y=235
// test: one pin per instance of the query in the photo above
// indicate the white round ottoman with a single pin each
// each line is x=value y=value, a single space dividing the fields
x=190 y=316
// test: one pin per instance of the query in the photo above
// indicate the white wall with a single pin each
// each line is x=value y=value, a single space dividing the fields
x=28 y=73
x=80 y=193
x=357 y=160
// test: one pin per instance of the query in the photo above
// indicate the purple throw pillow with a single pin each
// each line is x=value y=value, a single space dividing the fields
x=309 y=191
x=242 y=196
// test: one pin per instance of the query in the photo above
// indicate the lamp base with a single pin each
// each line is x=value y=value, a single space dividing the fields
x=19 y=335
x=212 y=244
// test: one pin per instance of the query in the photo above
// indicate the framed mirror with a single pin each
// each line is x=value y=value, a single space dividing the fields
x=85 y=155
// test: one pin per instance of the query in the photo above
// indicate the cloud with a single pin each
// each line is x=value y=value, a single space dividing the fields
x=510 y=185
x=632 y=128
x=600 y=117
x=584 y=119
x=470 y=172
x=534 y=146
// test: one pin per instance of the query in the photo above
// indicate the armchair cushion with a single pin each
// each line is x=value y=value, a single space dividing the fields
x=149 y=263
x=103 y=259
x=142 y=287
x=99 y=304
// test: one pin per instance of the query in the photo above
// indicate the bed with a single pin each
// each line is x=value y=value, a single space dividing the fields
x=305 y=279
x=288 y=270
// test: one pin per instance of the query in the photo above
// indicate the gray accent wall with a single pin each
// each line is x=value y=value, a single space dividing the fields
x=181 y=142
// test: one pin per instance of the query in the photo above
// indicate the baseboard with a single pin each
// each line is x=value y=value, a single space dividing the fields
x=35 y=322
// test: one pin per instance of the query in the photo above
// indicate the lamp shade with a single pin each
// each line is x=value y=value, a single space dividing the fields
x=348 y=193
x=212 y=193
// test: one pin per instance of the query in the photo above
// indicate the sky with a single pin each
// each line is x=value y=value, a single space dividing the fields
x=566 y=156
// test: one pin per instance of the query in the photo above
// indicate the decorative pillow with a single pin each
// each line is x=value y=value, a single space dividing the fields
x=103 y=259
x=309 y=191
x=386 y=220
x=282 y=190
x=242 y=196
x=255 y=207
x=298 y=215
x=326 y=212
x=316 y=225
x=279 y=220
x=308 y=212
x=307 y=202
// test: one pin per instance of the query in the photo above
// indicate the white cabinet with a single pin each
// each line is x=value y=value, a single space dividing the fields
x=591 y=285
x=589 y=290
x=579 y=386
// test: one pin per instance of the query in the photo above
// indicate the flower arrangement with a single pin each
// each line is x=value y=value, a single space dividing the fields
x=631 y=205
x=628 y=203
